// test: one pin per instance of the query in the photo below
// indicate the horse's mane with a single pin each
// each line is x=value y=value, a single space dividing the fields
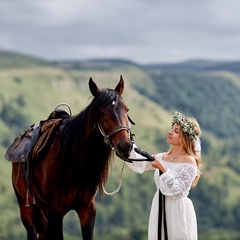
x=84 y=149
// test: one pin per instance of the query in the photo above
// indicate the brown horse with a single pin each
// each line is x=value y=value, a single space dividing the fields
x=75 y=166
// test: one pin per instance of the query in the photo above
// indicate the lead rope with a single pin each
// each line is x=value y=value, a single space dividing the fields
x=119 y=184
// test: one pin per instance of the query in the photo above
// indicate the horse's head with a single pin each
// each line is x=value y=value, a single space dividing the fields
x=111 y=117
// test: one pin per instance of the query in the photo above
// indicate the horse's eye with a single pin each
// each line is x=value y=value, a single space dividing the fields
x=127 y=110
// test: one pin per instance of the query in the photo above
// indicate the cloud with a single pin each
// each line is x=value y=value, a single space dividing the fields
x=140 y=30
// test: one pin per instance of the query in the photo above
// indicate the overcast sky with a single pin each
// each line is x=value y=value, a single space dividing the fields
x=144 y=31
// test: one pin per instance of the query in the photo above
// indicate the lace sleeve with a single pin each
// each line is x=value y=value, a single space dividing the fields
x=140 y=167
x=177 y=183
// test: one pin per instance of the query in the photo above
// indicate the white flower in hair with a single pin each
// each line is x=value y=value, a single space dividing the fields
x=186 y=126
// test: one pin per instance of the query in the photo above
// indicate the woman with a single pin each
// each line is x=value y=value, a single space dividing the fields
x=179 y=169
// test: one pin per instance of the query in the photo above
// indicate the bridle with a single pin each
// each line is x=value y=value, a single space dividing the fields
x=107 y=140
x=107 y=137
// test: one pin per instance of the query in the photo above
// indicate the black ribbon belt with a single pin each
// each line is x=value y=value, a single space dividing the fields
x=162 y=216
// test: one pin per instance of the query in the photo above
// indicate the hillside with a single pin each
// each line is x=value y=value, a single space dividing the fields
x=29 y=93
x=199 y=66
x=17 y=60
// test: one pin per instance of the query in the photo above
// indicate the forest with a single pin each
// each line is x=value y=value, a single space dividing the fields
x=209 y=91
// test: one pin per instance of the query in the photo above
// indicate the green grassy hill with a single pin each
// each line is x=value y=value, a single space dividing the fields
x=29 y=93
x=18 y=60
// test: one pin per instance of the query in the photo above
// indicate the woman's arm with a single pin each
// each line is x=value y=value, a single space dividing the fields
x=140 y=167
x=177 y=184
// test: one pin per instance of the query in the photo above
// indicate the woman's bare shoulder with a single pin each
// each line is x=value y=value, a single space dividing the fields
x=189 y=159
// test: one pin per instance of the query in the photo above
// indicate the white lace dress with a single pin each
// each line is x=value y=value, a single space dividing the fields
x=175 y=184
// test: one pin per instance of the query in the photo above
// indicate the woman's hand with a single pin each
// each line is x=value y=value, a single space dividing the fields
x=157 y=164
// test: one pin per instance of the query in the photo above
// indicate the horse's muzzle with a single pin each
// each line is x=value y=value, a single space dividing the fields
x=123 y=149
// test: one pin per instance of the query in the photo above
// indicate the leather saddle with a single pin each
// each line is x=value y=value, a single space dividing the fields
x=35 y=140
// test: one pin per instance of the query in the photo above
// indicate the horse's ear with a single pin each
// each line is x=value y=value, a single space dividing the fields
x=93 y=87
x=119 y=88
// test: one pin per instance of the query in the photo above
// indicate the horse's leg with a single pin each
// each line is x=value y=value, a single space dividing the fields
x=26 y=214
x=41 y=225
x=55 y=226
x=33 y=218
x=26 y=217
x=87 y=219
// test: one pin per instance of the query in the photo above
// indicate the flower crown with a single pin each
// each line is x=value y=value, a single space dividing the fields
x=186 y=126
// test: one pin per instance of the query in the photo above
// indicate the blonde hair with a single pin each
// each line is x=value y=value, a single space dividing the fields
x=189 y=146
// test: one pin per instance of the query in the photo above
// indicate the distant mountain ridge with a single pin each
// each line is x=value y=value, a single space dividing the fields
x=17 y=60
x=198 y=65
x=12 y=59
